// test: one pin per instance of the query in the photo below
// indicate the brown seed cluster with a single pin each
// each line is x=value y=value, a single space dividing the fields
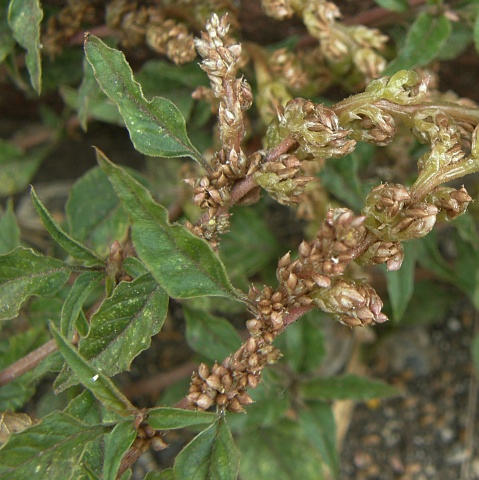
x=451 y=202
x=315 y=127
x=68 y=22
x=277 y=9
x=393 y=215
x=374 y=126
x=442 y=133
x=226 y=385
x=390 y=253
x=352 y=303
x=283 y=179
x=287 y=66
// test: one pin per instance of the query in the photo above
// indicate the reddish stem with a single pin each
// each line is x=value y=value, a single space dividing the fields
x=27 y=363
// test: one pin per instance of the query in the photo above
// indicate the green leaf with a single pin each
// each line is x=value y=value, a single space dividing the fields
x=17 y=392
x=271 y=403
x=134 y=267
x=156 y=127
x=93 y=379
x=83 y=286
x=424 y=41
x=17 y=168
x=399 y=6
x=121 y=328
x=24 y=273
x=431 y=259
x=85 y=92
x=95 y=106
x=476 y=33
x=318 y=424
x=281 y=452
x=401 y=282
x=461 y=37
x=168 y=474
x=71 y=246
x=169 y=418
x=50 y=449
x=9 y=230
x=350 y=387
x=94 y=213
x=303 y=343
x=183 y=264
x=175 y=82
x=340 y=176
x=249 y=246
x=86 y=408
x=467 y=230
x=213 y=337
x=211 y=455
x=24 y=18
x=117 y=443
x=428 y=303
x=7 y=42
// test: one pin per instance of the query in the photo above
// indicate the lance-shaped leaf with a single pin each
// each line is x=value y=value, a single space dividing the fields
x=121 y=328
x=401 y=282
x=94 y=213
x=168 y=474
x=183 y=264
x=423 y=43
x=17 y=168
x=345 y=387
x=211 y=336
x=9 y=230
x=211 y=455
x=93 y=379
x=281 y=452
x=70 y=245
x=169 y=418
x=77 y=295
x=476 y=33
x=156 y=127
x=24 y=17
x=317 y=422
x=24 y=273
x=117 y=443
x=50 y=449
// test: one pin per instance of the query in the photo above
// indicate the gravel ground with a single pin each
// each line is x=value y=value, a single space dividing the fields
x=428 y=432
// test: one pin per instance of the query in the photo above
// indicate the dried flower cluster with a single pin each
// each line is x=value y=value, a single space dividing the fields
x=68 y=22
x=302 y=132
x=230 y=164
x=349 y=55
x=159 y=26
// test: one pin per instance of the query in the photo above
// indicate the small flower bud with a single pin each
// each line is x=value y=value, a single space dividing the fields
x=214 y=382
x=244 y=398
x=254 y=326
x=253 y=360
x=251 y=345
x=227 y=381
x=235 y=406
x=203 y=371
x=204 y=402
x=158 y=444
x=252 y=380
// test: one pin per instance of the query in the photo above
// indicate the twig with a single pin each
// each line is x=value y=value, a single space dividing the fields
x=281 y=149
x=155 y=384
x=27 y=363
